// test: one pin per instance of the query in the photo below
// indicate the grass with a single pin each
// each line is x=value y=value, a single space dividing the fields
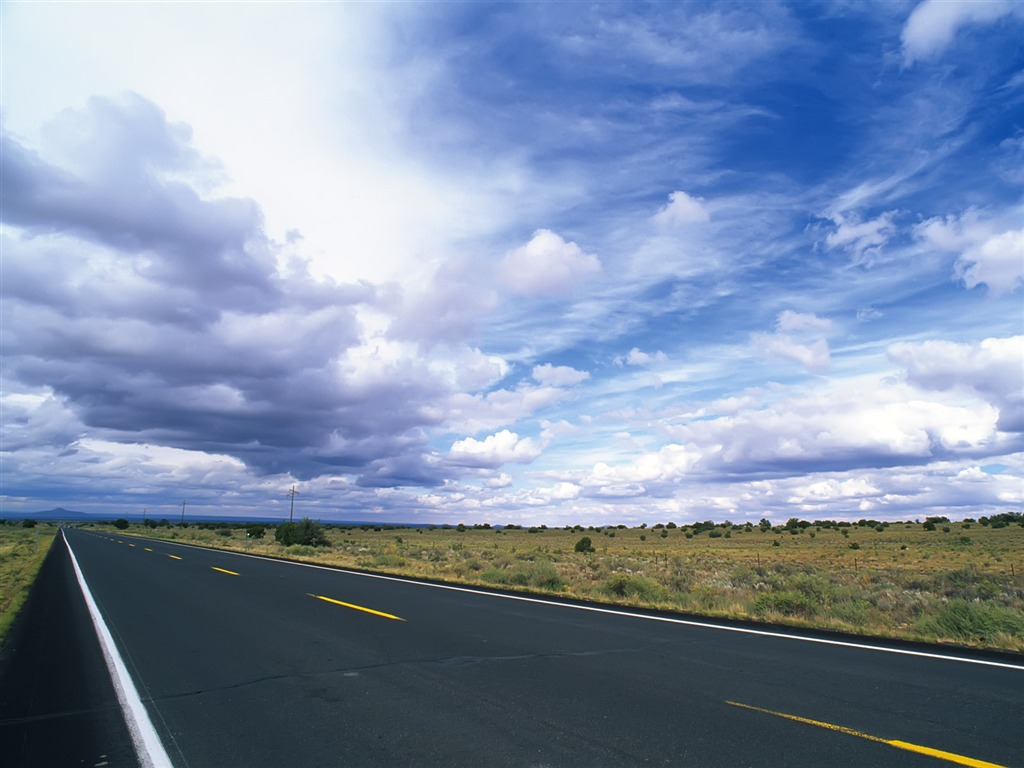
x=21 y=553
x=964 y=585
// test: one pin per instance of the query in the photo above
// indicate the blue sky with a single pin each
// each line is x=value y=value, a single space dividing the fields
x=525 y=262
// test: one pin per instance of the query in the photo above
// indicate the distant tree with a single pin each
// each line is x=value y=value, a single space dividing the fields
x=256 y=531
x=120 y=523
x=585 y=545
x=28 y=523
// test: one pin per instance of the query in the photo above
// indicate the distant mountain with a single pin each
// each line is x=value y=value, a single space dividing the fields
x=58 y=513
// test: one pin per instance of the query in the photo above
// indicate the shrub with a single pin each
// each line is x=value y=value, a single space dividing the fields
x=120 y=523
x=972 y=622
x=255 y=531
x=585 y=545
x=305 y=532
x=787 y=602
x=30 y=523
x=632 y=586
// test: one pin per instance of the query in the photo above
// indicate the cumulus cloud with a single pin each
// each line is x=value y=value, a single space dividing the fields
x=558 y=375
x=993 y=368
x=682 y=209
x=151 y=311
x=933 y=24
x=990 y=249
x=547 y=266
x=494 y=450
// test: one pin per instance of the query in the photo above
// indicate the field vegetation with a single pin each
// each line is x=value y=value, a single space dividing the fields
x=936 y=581
x=23 y=545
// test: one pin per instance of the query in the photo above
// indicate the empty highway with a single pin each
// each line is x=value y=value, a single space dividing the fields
x=245 y=661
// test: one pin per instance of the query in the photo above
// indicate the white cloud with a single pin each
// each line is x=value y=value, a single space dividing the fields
x=790 y=321
x=814 y=356
x=993 y=368
x=861 y=238
x=934 y=23
x=494 y=450
x=638 y=357
x=682 y=209
x=547 y=266
x=558 y=375
x=990 y=247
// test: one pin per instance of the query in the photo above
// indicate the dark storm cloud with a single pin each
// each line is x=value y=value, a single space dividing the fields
x=158 y=314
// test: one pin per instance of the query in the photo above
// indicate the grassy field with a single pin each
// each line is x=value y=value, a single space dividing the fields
x=961 y=582
x=21 y=553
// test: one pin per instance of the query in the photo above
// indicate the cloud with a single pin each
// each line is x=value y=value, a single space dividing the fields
x=558 y=376
x=861 y=238
x=546 y=266
x=993 y=368
x=991 y=250
x=638 y=357
x=933 y=24
x=795 y=339
x=494 y=450
x=682 y=209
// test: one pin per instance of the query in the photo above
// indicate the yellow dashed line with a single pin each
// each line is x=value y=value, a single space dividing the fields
x=222 y=570
x=937 y=753
x=356 y=607
x=174 y=557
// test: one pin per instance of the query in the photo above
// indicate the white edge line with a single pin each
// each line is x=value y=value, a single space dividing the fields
x=148 y=747
x=619 y=612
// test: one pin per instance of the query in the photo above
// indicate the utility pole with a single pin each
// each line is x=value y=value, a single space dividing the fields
x=183 y=511
x=292 y=493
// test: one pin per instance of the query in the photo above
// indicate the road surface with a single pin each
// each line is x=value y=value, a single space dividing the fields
x=244 y=661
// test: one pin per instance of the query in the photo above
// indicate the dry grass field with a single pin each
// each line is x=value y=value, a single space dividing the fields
x=21 y=553
x=946 y=582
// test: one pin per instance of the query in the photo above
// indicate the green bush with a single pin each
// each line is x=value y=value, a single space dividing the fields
x=634 y=586
x=120 y=523
x=967 y=621
x=304 y=532
x=585 y=545
x=788 y=602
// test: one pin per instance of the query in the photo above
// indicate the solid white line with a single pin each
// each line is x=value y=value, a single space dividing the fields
x=148 y=747
x=620 y=612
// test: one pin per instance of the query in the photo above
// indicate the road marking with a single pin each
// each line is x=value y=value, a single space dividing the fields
x=130 y=544
x=147 y=744
x=356 y=607
x=224 y=570
x=147 y=549
x=174 y=557
x=937 y=753
x=628 y=614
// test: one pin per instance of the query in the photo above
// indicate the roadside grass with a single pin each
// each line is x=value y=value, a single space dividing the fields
x=21 y=555
x=960 y=583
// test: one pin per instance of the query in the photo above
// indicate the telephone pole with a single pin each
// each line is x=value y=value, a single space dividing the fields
x=292 y=493
x=183 y=511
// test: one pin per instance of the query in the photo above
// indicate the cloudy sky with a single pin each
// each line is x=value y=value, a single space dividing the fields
x=530 y=262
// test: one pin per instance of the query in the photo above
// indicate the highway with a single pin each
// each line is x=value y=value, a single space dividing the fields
x=245 y=661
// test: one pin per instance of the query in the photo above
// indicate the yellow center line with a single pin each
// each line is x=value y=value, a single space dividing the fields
x=174 y=557
x=937 y=753
x=130 y=544
x=147 y=549
x=356 y=607
x=222 y=570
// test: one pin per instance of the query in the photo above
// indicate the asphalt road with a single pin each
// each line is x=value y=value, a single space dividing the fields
x=242 y=661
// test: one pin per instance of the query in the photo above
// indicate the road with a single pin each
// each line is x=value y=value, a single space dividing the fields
x=244 y=661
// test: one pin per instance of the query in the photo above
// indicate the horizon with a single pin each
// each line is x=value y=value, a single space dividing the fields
x=536 y=263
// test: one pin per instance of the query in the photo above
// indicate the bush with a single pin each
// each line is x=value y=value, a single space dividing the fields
x=585 y=545
x=30 y=523
x=120 y=523
x=632 y=586
x=972 y=622
x=787 y=602
x=305 y=532
x=255 y=531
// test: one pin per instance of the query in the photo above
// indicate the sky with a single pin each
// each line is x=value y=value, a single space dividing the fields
x=534 y=263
